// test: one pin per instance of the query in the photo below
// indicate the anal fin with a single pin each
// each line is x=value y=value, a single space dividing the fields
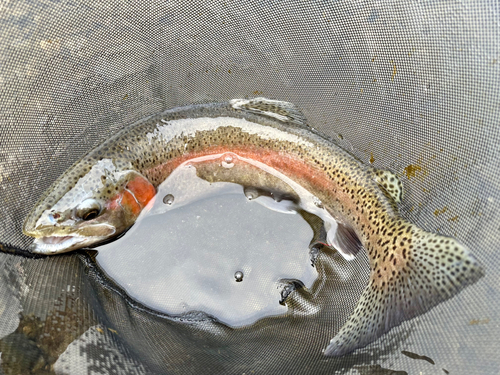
x=344 y=240
x=334 y=235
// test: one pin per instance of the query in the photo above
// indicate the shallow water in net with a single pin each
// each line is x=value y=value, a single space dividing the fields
x=221 y=248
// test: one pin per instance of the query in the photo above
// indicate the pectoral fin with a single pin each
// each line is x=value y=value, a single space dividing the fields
x=284 y=206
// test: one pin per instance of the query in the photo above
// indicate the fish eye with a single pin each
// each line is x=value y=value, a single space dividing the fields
x=89 y=209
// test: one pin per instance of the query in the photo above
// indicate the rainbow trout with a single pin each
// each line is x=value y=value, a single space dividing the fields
x=102 y=195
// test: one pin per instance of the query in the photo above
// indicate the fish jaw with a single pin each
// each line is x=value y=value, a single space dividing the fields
x=60 y=244
x=56 y=243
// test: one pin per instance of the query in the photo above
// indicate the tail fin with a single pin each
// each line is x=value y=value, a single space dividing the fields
x=436 y=269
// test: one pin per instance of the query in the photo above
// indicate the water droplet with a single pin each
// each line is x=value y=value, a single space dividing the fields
x=238 y=276
x=251 y=193
x=227 y=161
x=168 y=199
x=317 y=202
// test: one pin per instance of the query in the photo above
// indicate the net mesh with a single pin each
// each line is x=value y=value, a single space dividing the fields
x=407 y=86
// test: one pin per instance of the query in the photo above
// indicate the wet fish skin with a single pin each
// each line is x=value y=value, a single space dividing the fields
x=411 y=270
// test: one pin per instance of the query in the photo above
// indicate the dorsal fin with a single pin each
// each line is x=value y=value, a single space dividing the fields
x=282 y=111
x=390 y=183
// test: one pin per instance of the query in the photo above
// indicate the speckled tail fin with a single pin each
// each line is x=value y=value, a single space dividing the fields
x=434 y=269
x=282 y=111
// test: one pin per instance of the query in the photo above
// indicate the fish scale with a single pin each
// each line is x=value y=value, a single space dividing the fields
x=411 y=270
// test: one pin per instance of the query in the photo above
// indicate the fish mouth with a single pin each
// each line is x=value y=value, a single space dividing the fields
x=56 y=244
x=48 y=243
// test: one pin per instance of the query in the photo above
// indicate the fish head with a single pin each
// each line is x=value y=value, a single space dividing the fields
x=89 y=204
